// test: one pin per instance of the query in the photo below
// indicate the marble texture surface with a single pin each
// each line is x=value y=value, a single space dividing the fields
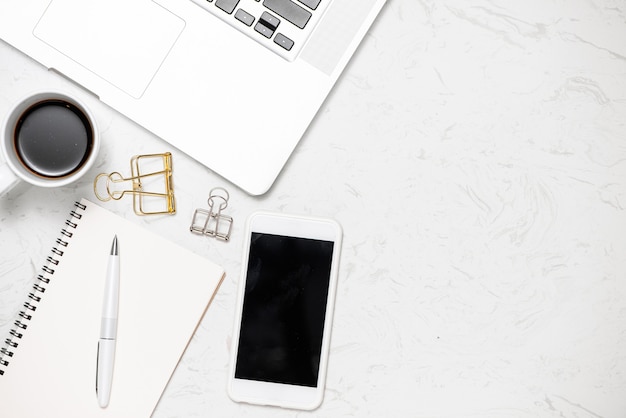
x=474 y=152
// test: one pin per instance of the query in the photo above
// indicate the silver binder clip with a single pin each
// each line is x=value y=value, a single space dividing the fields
x=212 y=222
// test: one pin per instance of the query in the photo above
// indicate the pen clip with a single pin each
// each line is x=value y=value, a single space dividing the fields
x=97 y=364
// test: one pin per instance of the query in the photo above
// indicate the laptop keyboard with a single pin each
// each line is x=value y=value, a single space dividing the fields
x=282 y=26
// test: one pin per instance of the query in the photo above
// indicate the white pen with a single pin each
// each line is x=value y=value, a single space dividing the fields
x=108 y=328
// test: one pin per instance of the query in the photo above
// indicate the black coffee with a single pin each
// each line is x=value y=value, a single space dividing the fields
x=53 y=138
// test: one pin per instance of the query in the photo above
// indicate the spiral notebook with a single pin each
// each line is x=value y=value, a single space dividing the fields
x=48 y=363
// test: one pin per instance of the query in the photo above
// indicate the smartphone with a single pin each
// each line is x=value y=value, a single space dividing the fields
x=286 y=295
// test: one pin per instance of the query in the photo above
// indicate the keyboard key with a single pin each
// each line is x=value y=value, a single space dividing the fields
x=227 y=5
x=283 y=41
x=263 y=30
x=289 y=10
x=244 y=17
x=311 y=4
x=270 y=21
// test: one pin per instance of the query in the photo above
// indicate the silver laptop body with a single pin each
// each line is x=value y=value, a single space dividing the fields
x=233 y=84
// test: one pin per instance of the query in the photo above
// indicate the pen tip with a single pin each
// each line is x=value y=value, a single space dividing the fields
x=114 y=250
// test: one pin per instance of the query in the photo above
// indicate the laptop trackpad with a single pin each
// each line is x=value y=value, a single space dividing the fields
x=123 y=42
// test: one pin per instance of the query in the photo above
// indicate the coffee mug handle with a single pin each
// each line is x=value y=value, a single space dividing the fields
x=8 y=179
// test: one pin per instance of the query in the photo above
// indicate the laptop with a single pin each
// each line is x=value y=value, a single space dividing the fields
x=232 y=83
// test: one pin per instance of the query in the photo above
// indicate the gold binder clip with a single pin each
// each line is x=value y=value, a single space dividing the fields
x=149 y=197
x=212 y=222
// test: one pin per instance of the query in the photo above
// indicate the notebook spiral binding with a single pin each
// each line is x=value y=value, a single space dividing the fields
x=38 y=289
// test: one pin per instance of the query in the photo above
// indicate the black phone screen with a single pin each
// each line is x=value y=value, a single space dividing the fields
x=284 y=308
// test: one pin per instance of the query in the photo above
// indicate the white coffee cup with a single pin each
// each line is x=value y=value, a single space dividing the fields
x=48 y=139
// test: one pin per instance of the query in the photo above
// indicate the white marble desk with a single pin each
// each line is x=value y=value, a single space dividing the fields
x=475 y=155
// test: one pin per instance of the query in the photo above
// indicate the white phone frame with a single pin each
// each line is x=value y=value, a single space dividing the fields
x=277 y=394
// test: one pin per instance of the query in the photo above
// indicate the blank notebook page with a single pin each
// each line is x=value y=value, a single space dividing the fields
x=164 y=292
